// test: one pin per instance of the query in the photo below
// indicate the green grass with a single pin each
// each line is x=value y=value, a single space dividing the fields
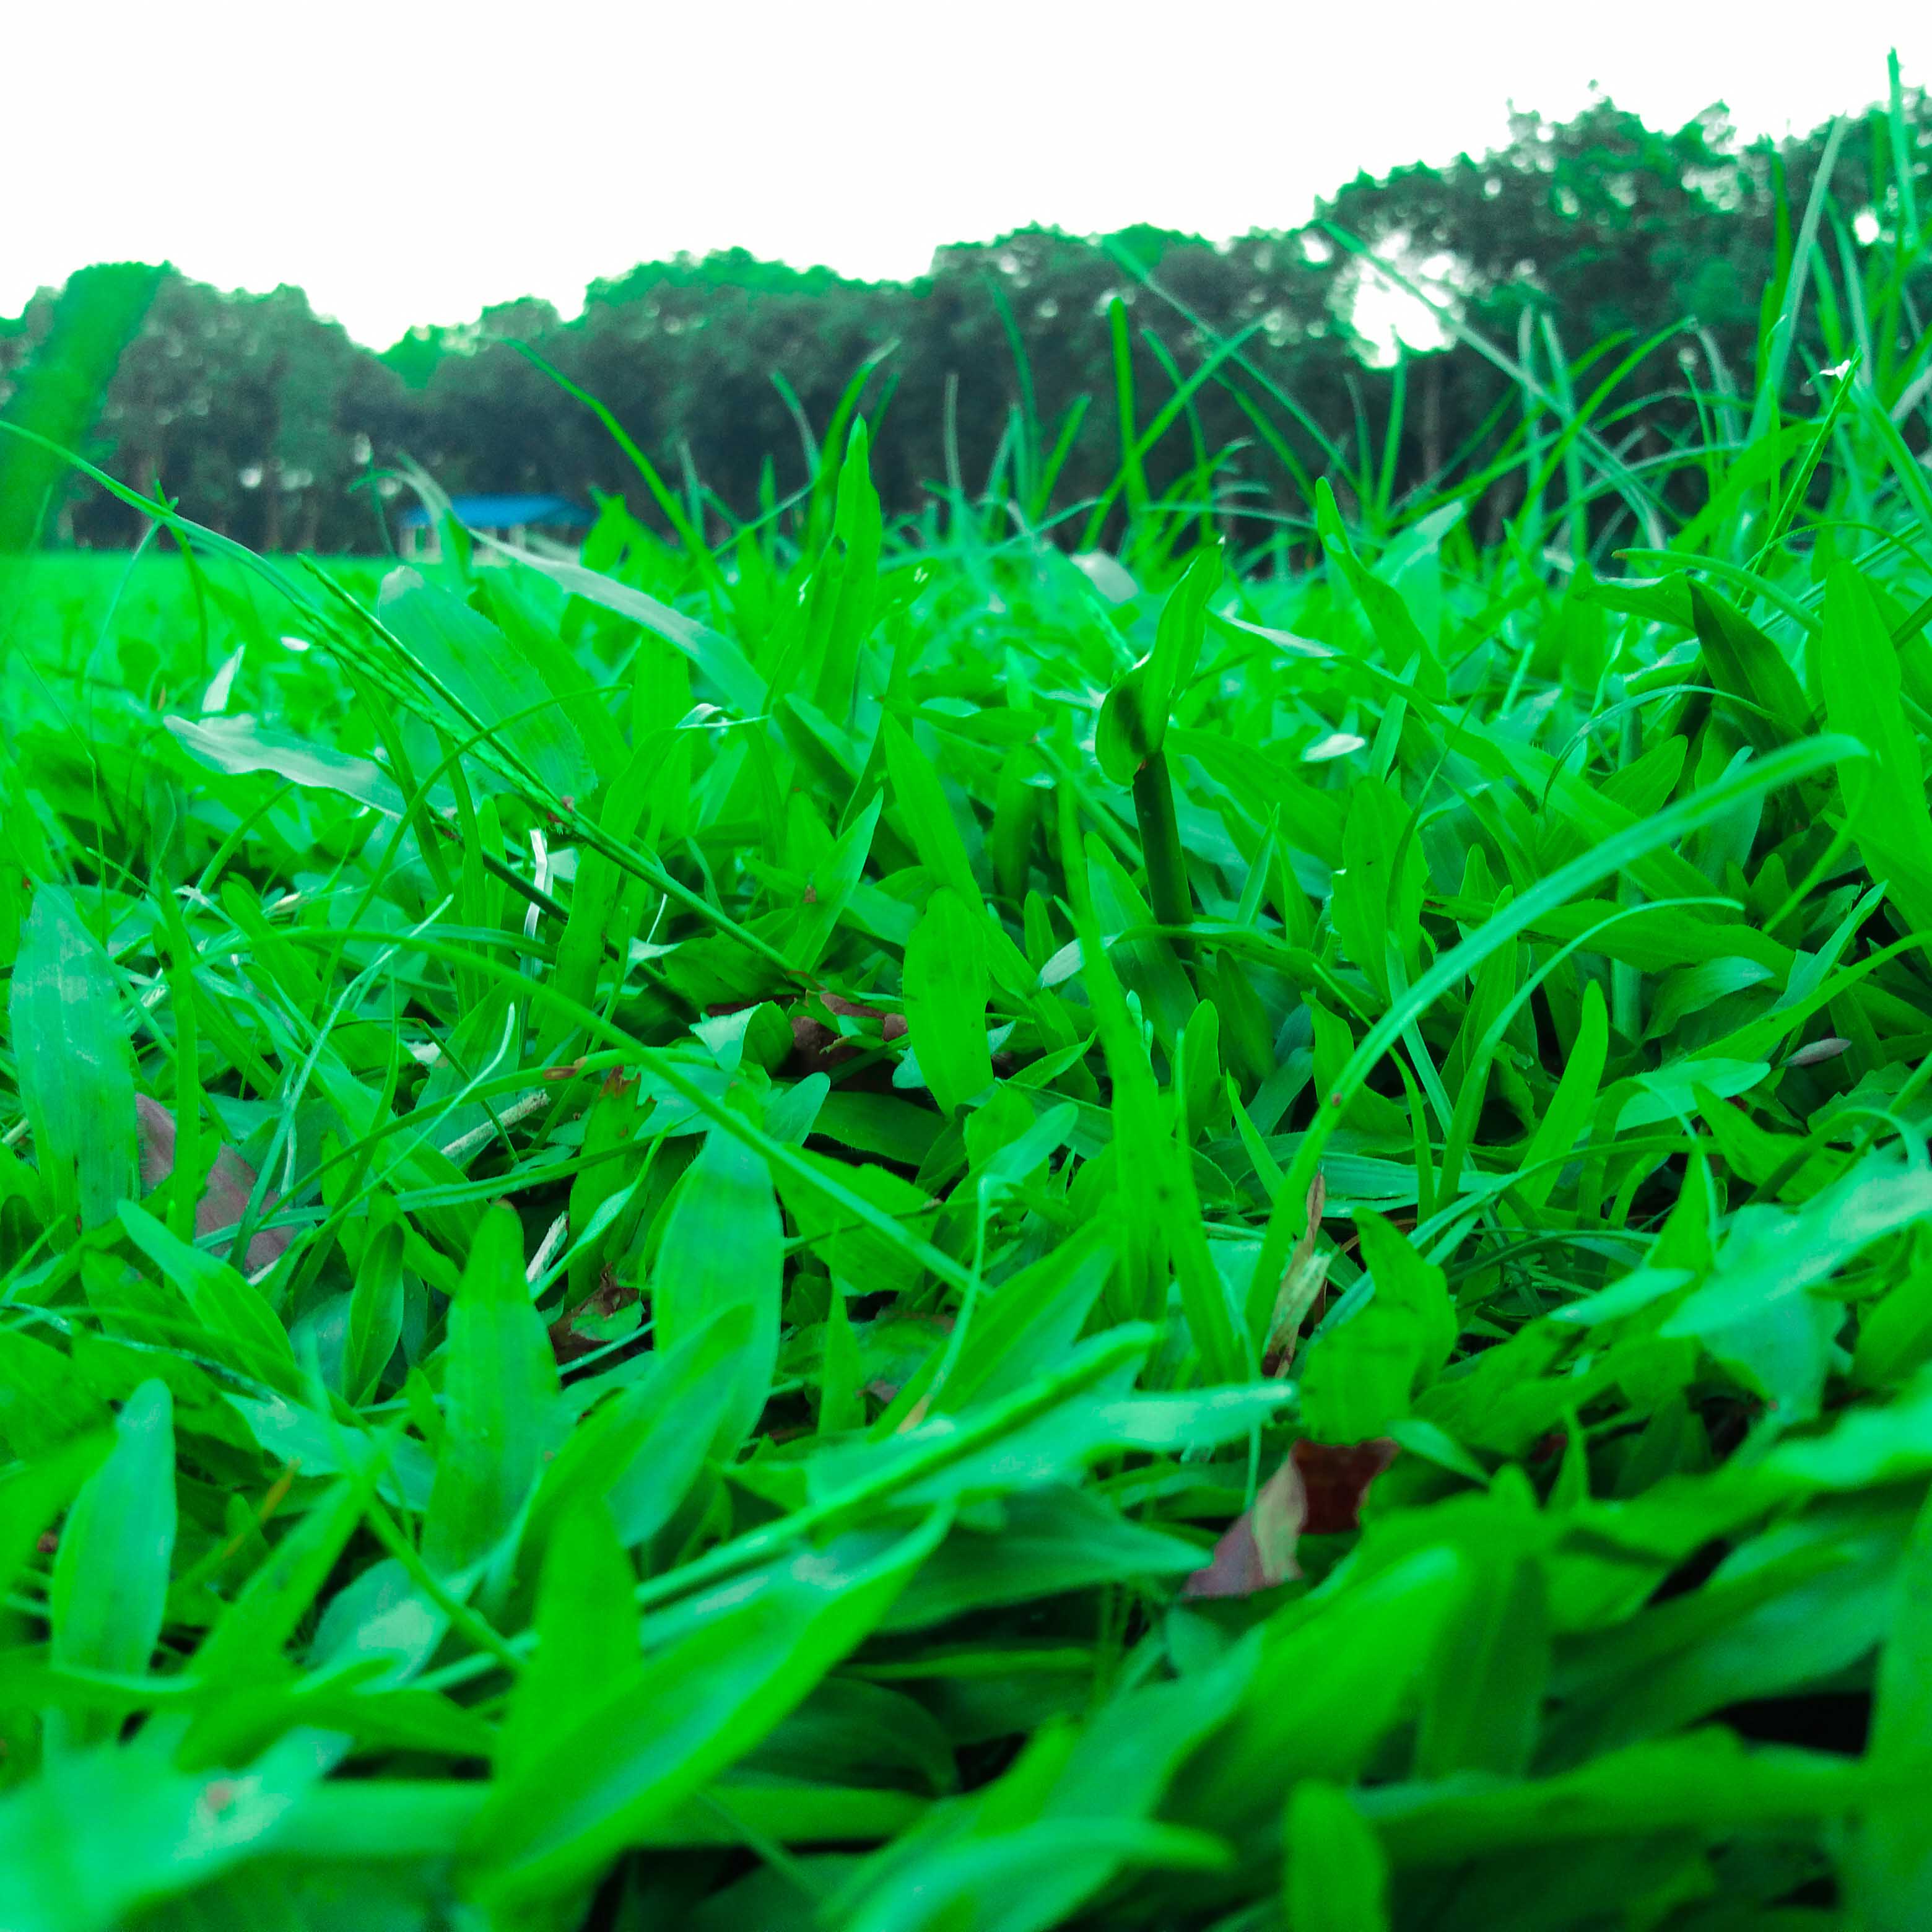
x=770 y=1150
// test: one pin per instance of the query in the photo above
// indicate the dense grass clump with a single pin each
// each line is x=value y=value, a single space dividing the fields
x=886 y=1228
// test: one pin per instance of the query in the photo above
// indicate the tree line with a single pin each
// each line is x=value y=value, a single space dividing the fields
x=1594 y=254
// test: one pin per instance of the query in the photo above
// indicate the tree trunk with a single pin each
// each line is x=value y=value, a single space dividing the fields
x=1432 y=419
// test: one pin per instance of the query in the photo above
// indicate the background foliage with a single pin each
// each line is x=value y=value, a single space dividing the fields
x=1600 y=232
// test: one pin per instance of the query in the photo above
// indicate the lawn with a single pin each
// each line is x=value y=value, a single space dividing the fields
x=889 y=1229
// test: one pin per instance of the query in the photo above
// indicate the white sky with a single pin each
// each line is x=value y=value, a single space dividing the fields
x=407 y=163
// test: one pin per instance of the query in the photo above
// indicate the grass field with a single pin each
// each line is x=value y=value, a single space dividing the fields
x=887 y=1230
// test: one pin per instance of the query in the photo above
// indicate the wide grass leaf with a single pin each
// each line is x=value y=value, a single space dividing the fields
x=1746 y=663
x=587 y=1643
x=723 y=1250
x=1049 y=1541
x=240 y=1325
x=103 y=1833
x=247 y=1639
x=919 y=802
x=1337 y=1876
x=1885 y=793
x=1363 y=1371
x=946 y=985
x=702 y=1699
x=1030 y=1325
x=641 y=1451
x=502 y=1413
x=42 y=1406
x=482 y=681
x=1890 y=1866
x=1708 y=1780
x=109 y=1587
x=375 y=1311
x=76 y=1068
x=32 y=1494
x=1321 y=1690
x=238 y=744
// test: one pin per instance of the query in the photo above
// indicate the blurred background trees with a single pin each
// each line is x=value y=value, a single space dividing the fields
x=1596 y=235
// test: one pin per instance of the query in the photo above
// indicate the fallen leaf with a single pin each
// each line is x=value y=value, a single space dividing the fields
x=567 y=1342
x=224 y=1200
x=815 y=1048
x=818 y=1048
x=1317 y=1491
x=892 y=1026
x=1336 y=1478
x=1302 y=1281
x=854 y=1009
x=1829 y=1048
x=1257 y=1552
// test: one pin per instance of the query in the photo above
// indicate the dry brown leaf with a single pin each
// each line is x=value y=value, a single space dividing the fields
x=818 y=1048
x=224 y=1200
x=1301 y=1282
x=1317 y=1491
x=1257 y=1552
x=892 y=1026
x=1829 y=1048
x=815 y=1048
x=1336 y=1478
x=610 y=1295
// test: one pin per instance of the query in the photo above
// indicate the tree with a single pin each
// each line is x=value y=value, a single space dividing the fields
x=725 y=370
x=252 y=411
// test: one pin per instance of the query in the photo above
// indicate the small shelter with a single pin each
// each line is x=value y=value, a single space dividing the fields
x=509 y=519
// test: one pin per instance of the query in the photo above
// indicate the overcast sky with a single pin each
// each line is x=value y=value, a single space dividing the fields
x=406 y=162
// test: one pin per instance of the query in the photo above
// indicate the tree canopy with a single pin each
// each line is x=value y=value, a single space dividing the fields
x=1595 y=250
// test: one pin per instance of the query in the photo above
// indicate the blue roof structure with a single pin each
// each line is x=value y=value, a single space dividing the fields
x=503 y=513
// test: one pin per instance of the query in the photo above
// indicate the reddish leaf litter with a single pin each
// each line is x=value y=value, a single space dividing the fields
x=818 y=1048
x=1318 y=1490
x=609 y=1295
x=224 y=1200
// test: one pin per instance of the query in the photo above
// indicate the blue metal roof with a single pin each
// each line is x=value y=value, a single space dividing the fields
x=503 y=513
